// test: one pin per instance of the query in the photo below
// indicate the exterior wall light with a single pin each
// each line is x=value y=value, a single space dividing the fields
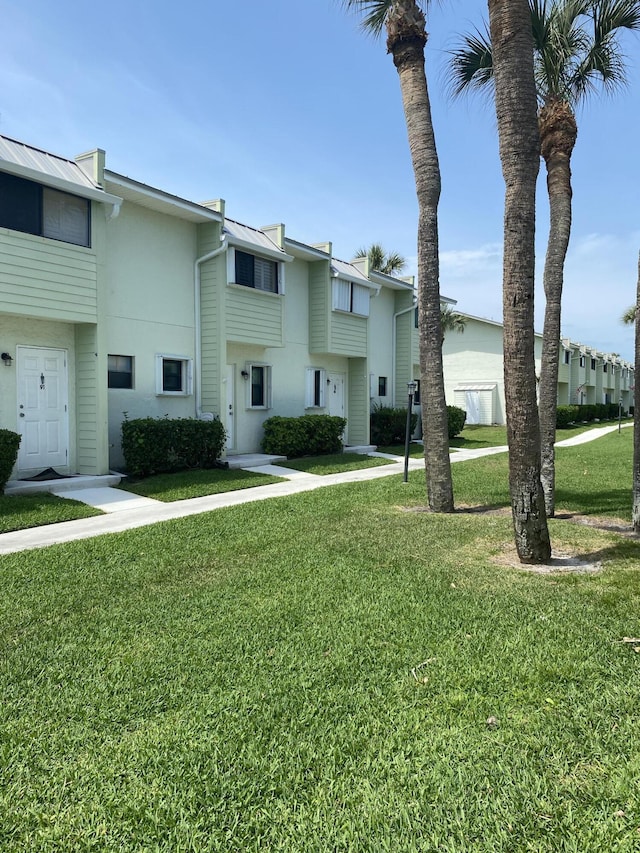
x=244 y=374
x=7 y=359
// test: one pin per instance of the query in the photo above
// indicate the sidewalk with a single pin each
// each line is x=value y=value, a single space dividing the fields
x=125 y=511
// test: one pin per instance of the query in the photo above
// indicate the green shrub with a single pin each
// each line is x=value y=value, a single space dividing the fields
x=388 y=425
x=566 y=415
x=308 y=435
x=9 y=444
x=456 y=419
x=587 y=412
x=160 y=445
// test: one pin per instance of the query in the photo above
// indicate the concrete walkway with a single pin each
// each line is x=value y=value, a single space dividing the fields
x=126 y=511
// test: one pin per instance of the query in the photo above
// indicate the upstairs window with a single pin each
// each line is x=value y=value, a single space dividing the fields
x=350 y=297
x=33 y=209
x=567 y=356
x=605 y=367
x=259 y=273
x=583 y=361
x=593 y=364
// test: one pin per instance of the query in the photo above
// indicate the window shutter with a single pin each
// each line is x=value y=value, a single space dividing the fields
x=245 y=269
x=341 y=295
x=309 y=387
x=360 y=303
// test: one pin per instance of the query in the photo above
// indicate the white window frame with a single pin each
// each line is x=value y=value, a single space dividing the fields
x=267 y=379
x=350 y=298
x=310 y=388
x=187 y=375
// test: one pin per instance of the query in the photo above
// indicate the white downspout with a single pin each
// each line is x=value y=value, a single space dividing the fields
x=205 y=416
x=411 y=307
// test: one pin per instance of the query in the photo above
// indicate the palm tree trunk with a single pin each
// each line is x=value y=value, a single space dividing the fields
x=558 y=134
x=510 y=23
x=636 y=417
x=406 y=38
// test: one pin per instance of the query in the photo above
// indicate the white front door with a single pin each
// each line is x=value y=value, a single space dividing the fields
x=335 y=394
x=43 y=419
x=230 y=417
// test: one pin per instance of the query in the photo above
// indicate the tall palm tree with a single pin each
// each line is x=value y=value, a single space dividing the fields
x=405 y=25
x=635 y=515
x=577 y=47
x=389 y=263
x=629 y=316
x=515 y=99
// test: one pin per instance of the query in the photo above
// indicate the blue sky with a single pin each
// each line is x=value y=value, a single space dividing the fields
x=289 y=112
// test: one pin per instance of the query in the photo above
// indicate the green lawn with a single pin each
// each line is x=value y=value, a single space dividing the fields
x=334 y=463
x=195 y=484
x=316 y=673
x=17 y=512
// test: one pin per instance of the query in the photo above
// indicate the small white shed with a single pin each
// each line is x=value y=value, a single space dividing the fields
x=478 y=399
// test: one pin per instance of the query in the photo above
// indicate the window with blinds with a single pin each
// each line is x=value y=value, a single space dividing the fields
x=259 y=273
x=350 y=297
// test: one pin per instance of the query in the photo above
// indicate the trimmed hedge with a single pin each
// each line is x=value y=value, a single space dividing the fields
x=308 y=435
x=586 y=413
x=9 y=445
x=161 y=445
x=388 y=425
x=456 y=418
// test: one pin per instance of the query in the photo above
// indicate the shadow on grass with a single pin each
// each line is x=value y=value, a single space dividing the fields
x=612 y=502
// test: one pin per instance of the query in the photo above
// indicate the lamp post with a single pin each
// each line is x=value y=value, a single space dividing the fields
x=411 y=388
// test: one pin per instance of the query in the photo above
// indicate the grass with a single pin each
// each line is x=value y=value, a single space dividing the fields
x=317 y=672
x=195 y=484
x=334 y=463
x=18 y=512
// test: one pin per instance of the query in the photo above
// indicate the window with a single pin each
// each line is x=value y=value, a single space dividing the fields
x=567 y=356
x=382 y=386
x=33 y=209
x=349 y=297
x=593 y=364
x=583 y=361
x=259 y=386
x=316 y=382
x=605 y=367
x=260 y=273
x=120 y=371
x=174 y=375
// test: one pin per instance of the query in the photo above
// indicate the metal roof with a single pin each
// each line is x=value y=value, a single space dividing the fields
x=342 y=269
x=158 y=200
x=50 y=165
x=245 y=235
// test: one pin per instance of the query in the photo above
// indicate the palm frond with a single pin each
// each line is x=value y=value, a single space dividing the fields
x=374 y=12
x=471 y=65
x=629 y=316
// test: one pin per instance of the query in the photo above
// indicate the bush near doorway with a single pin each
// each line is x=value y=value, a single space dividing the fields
x=9 y=445
x=308 y=435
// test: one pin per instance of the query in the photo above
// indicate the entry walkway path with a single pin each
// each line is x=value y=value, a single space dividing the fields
x=125 y=511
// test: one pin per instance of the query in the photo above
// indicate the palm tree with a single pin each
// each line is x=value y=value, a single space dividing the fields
x=635 y=515
x=515 y=99
x=629 y=316
x=452 y=321
x=576 y=47
x=389 y=263
x=406 y=38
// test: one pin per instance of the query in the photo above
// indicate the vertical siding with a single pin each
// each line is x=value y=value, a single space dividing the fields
x=212 y=281
x=358 y=404
x=87 y=402
x=405 y=357
x=319 y=306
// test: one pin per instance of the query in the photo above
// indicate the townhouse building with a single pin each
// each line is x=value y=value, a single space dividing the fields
x=473 y=369
x=119 y=300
